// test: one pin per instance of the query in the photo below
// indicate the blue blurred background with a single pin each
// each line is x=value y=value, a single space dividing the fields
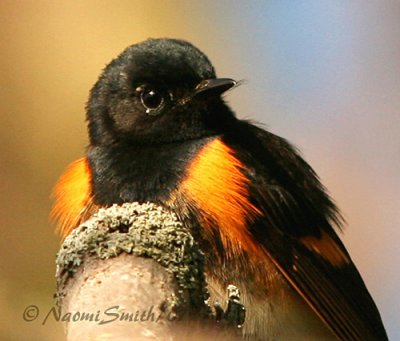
x=323 y=74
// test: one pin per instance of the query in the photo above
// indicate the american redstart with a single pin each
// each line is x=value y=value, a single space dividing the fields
x=161 y=132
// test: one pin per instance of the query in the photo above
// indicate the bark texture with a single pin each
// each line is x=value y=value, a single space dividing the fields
x=133 y=272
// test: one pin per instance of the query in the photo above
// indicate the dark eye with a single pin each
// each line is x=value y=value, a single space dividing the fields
x=152 y=100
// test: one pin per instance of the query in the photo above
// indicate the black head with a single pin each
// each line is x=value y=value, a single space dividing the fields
x=160 y=90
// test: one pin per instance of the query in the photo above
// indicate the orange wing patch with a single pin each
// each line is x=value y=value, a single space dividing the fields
x=72 y=195
x=326 y=247
x=216 y=186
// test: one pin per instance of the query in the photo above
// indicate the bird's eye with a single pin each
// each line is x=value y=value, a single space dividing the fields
x=152 y=100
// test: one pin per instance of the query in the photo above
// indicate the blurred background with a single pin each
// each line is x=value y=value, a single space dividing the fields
x=323 y=74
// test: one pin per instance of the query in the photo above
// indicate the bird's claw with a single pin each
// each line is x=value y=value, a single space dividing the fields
x=235 y=312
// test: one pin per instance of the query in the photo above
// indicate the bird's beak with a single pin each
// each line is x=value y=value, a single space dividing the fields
x=214 y=86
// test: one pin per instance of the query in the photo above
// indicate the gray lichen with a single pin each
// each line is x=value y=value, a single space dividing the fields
x=143 y=230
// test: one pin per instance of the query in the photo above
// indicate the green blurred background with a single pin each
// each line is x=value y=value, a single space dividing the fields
x=324 y=74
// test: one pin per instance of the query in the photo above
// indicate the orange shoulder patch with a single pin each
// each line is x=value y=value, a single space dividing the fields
x=72 y=195
x=217 y=187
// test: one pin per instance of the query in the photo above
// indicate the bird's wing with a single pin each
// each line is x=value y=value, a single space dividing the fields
x=296 y=229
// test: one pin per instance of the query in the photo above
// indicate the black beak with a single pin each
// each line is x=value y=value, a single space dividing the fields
x=214 y=86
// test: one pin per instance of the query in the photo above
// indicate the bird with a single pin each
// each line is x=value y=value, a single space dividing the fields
x=161 y=131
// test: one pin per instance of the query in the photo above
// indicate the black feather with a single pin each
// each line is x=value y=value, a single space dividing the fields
x=296 y=205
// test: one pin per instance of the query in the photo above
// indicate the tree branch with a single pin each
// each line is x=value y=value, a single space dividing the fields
x=133 y=272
